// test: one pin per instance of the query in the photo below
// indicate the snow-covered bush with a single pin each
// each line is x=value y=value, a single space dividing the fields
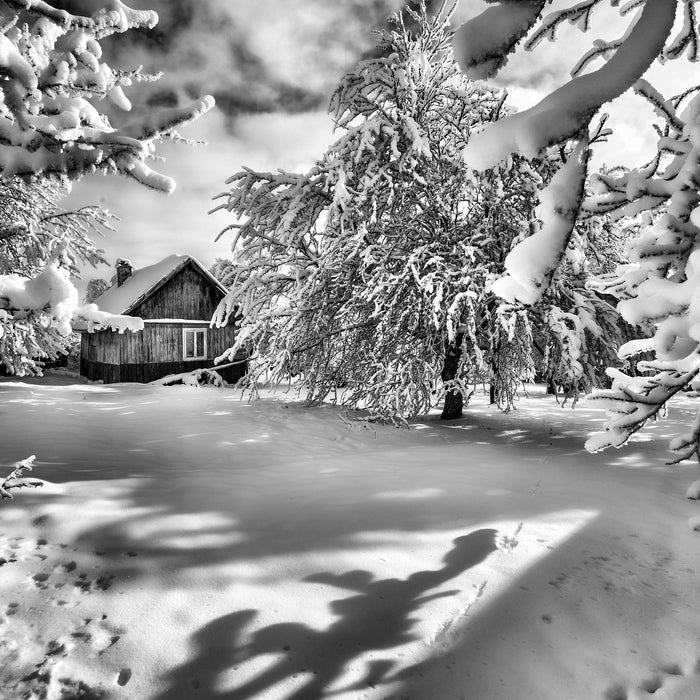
x=16 y=480
x=658 y=288
x=36 y=315
x=369 y=277
x=55 y=95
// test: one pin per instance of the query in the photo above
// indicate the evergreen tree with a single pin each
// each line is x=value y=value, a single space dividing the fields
x=95 y=288
x=369 y=277
x=660 y=200
x=55 y=94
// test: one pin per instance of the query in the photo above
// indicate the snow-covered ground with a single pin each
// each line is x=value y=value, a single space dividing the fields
x=194 y=545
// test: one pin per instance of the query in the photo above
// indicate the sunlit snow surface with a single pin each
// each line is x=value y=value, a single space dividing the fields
x=194 y=545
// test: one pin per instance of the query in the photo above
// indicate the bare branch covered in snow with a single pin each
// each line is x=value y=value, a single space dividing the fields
x=15 y=480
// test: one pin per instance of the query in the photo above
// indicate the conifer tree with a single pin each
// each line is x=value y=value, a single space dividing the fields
x=659 y=203
x=62 y=113
x=369 y=277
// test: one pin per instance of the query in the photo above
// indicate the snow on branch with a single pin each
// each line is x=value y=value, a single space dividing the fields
x=116 y=17
x=531 y=264
x=15 y=480
x=578 y=15
x=568 y=110
x=482 y=45
x=658 y=287
x=50 y=293
x=687 y=39
x=51 y=120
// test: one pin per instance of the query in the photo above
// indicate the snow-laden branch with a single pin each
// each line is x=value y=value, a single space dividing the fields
x=52 y=294
x=564 y=113
x=659 y=285
x=482 y=45
x=54 y=80
x=115 y=17
x=16 y=480
x=531 y=264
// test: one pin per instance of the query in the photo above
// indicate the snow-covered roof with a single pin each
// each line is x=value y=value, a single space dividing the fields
x=143 y=282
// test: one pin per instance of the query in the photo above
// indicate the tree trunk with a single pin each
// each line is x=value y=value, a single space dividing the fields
x=454 y=401
x=494 y=372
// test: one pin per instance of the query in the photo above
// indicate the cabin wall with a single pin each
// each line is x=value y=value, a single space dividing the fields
x=100 y=346
x=152 y=353
x=187 y=295
x=100 y=356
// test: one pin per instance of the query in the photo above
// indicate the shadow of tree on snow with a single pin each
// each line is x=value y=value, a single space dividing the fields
x=377 y=618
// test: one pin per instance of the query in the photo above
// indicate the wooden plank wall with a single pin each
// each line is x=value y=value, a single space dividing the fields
x=151 y=354
x=100 y=346
x=157 y=342
x=187 y=295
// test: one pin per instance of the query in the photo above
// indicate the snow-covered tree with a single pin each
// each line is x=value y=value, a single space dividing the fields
x=54 y=80
x=95 y=288
x=223 y=269
x=370 y=276
x=56 y=93
x=33 y=225
x=658 y=286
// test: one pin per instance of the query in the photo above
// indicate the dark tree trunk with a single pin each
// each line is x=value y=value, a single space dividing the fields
x=551 y=387
x=494 y=372
x=454 y=401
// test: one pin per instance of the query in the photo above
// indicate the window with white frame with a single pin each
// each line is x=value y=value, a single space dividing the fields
x=194 y=343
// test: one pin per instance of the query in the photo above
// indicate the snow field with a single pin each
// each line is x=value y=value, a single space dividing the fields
x=194 y=545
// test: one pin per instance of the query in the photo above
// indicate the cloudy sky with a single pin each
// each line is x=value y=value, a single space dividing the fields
x=271 y=65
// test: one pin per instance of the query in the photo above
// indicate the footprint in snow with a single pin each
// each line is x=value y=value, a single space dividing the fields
x=99 y=635
x=41 y=521
x=671 y=670
x=104 y=582
x=41 y=580
x=83 y=583
x=124 y=676
x=651 y=684
x=616 y=692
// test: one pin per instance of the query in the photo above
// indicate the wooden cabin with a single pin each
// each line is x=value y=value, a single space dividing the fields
x=176 y=299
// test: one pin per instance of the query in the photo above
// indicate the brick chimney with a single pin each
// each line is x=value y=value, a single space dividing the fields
x=124 y=270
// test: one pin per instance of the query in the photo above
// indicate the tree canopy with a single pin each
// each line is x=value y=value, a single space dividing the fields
x=369 y=278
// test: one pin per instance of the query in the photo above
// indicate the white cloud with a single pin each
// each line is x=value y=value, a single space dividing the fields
x=307 y=43
x=153 y=225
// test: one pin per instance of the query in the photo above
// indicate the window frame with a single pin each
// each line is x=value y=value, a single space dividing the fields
x=205 y=344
